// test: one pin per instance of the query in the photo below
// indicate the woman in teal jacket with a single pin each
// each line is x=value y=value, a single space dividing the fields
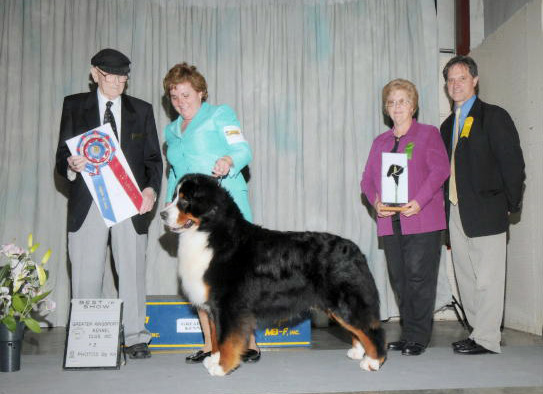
x=205 y=139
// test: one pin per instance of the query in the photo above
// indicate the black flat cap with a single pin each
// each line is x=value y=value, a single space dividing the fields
x=111 y=61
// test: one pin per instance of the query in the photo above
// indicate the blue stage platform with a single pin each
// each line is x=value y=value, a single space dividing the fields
x=174 y=324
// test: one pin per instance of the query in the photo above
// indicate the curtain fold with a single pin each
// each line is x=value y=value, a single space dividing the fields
x=304 y=77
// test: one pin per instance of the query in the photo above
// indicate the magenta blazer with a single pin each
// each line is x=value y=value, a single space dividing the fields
x=428 y=169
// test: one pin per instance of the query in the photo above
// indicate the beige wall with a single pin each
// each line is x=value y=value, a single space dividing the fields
x=511 y=75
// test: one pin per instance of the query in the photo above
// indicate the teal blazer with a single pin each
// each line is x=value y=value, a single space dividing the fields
x=213 y=133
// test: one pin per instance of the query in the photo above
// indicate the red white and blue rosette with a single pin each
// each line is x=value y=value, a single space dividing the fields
x=99 y=149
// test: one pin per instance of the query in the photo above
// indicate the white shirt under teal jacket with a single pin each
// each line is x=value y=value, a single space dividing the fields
x=213 y=133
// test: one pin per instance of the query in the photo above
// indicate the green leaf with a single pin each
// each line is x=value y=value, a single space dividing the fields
x=10 y=323
x=4 y=272
x=30 y=240
x=46 y=256
x=19 y=303
x=32 y=324
x=40 y=297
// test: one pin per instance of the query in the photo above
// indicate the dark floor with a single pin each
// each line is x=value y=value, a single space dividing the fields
x=333 y=337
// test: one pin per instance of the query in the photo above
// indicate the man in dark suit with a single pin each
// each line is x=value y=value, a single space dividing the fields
x=485 y=186
x=133 y=123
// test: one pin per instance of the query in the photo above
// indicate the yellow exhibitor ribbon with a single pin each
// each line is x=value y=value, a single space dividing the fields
x=466 y=129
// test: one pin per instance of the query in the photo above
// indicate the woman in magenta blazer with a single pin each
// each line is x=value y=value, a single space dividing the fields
x=412 y=237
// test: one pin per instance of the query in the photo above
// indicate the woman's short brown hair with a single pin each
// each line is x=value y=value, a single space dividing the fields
x=401 y=84
x=181 y=73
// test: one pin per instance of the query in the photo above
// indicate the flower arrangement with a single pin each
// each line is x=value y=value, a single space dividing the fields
x=22 y=282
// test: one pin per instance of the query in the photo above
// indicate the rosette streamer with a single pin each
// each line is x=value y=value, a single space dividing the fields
x=99 y=149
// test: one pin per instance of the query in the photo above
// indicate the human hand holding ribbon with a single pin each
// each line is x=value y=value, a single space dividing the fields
x=77 y=163
x=149 y=198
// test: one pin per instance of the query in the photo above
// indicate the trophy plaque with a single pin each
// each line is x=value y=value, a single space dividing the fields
x=394 y=184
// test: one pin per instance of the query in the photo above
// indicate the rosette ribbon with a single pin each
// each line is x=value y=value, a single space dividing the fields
x=409 y=150
x=99 y=149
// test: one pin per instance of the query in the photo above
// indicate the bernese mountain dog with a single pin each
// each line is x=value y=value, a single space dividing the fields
x=241 y=273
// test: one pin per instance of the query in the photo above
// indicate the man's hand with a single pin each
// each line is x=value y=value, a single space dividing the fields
x=149 y=198
x=77 y=163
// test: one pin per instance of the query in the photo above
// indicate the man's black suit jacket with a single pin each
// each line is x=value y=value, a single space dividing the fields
x=489 y=170
x=139 y=143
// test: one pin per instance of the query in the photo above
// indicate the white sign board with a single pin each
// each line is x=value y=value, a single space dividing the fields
x=394 y=185
x=94 y=334
x=188 y=325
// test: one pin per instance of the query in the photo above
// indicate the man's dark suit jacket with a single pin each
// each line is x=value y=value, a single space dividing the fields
x=139 y=143
x=489 y=170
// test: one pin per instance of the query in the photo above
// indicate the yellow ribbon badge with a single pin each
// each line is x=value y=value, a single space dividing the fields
x=467 y=127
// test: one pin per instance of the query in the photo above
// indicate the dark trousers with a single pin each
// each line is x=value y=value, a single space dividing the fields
x=413 y=263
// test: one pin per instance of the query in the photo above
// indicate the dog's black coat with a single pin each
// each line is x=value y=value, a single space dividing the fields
x=257 y=273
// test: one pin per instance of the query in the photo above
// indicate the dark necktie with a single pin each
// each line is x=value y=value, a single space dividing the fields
x=108 y=118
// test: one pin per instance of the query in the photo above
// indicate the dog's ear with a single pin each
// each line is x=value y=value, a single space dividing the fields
x=188 y=188
x=210 y=213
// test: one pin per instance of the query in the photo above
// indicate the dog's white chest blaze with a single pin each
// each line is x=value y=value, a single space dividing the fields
x=194 y=256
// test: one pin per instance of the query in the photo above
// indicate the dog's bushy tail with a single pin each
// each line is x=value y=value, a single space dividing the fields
x=352 y=297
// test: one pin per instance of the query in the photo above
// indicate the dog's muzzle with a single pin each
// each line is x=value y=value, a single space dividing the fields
x=177 y=220
x=188 y=223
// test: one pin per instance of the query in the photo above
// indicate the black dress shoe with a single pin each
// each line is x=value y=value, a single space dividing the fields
x=250 y=356
x=468 y=342
x=475 y=348
x=398 y=345
x=197 y=357
x=139 y=350
x=413 y=349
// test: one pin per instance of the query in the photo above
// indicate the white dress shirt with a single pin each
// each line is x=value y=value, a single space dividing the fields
x=115 y=109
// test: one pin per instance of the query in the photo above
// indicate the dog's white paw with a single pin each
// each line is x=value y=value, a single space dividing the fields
x=212 y=360
x=216 y=370
x=356 y=352
x=369 y=364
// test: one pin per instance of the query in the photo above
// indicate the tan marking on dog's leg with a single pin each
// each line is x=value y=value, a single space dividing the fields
x=367 y=343
x=231 y=350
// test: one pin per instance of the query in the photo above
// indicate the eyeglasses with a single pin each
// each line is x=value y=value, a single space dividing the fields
x=399 y=103
x=113 y=77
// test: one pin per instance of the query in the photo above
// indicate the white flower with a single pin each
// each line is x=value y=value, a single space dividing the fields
x=19 y=275
x=26 y=289
x=5 y=300
x=11 y=250
x=49 y=305
x=22 y=277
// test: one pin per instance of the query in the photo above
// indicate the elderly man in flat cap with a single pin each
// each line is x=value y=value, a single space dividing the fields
x=133 y=123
